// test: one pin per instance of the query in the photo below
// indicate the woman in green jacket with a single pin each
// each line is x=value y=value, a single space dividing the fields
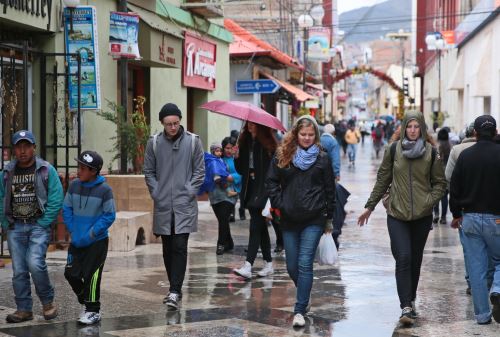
x=416 y=179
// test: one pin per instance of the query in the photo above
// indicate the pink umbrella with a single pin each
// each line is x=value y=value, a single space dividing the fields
x=244 y=111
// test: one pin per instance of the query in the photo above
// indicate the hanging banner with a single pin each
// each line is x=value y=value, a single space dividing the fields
x=123 y=35
x=81 y=38
x=199 y=62
x=319 y=44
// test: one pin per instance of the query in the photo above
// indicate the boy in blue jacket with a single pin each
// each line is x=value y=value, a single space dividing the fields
x=88 y=211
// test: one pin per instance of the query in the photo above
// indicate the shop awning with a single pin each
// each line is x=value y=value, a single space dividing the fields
x=243 y=48
x=156 y=22
x=319 y=87
x=160 y=41
x=299 y=94
x=457 y=77
x=482 y=83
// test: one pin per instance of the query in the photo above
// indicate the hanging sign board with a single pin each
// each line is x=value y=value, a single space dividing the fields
x=199 y=62
x=319 y=44
x=123 y=35
x=82 y=39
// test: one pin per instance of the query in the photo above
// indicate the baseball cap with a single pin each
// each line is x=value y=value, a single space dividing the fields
x=91 y=159
x=23 y=135
x=485 y=123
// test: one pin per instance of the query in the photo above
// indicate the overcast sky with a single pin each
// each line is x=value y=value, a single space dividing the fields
x=347 y=5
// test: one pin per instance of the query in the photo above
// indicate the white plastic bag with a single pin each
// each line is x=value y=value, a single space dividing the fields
x=266 y=212
x=327 y=251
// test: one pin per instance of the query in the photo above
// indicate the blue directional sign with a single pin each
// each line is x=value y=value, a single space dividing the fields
x=256 y=87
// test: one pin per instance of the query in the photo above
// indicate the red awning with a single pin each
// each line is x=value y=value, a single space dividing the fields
x=299 y=94
x=241 y=47
x=243 y=34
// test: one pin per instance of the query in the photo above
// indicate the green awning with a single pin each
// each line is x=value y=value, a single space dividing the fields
x=186 y=19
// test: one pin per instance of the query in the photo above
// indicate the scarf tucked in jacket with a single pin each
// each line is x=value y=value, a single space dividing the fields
x=413 y=148
x=304 y=159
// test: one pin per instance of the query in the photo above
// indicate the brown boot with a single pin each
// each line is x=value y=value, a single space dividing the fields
x=50 y=311
x=19 y=316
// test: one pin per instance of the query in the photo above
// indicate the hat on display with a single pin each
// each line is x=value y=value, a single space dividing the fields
x=91 y=159
x=23 y=135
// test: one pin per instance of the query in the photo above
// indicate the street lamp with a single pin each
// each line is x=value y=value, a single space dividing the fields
x=305 y=22
x=402 y=37
x=435 y=41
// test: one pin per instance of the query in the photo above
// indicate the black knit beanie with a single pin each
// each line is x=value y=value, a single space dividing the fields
x=169 y=109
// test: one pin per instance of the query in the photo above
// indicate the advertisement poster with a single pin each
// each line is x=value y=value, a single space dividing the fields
x=82 y=39
x=123 y=35
x=199 y=62
x=319 y=44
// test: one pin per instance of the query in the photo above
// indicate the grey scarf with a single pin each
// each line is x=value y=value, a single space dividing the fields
x=413 y=148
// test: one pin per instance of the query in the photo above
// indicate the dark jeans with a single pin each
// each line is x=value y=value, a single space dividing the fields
x=444 y=206
x=175 y=248
x=222 y=211
x=259 y=236
x=84 y=273
x=408 y=240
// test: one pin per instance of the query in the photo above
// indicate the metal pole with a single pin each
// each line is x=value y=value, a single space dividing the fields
x=25 y=84
x=123 y=69
x=439 y=82
x=306 y=50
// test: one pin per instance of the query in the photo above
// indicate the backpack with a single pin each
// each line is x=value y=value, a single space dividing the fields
x=378 y=133
x=193 y=143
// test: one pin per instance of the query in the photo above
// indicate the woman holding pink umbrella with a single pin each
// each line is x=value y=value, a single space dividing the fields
x=257 y=145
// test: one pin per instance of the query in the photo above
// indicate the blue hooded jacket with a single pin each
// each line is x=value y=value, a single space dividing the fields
x=213 y=166
x=88 y=211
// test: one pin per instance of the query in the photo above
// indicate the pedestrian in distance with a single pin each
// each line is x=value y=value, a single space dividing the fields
x=413 y=171
x=88 y=212
x=475 y=206
x=174 y=170
x=31 y=196
x=444 y=149
x=301 y=185
x=257 y=145
x=340 y=132
x=378 y=139
x=352 y=138
x=221 y=193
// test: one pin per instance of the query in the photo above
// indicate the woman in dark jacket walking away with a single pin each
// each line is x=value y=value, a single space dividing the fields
x=301 y=185
x=444 y=149
x=257 y=145
x=415 y=175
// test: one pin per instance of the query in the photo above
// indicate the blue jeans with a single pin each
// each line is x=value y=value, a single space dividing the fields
x=300 y=249
x=28 y=246
x=482 y=242
x=351 y=151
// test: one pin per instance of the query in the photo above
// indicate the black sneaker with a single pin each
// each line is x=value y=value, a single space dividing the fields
x=495 y=301
x=165 y=299
x=442 y=221
x=436 y=219
x=278 y=249
x=414 y=313
x=468 y=291
x=220 y=250
x=407 y=316
x=172 y=301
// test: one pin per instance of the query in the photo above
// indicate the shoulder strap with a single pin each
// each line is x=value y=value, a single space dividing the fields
x=155 y=139
x=193 y=142
x=393 y=151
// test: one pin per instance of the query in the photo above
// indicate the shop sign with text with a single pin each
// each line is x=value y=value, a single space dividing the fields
x=31 y=12
x=123 y=35
x=199 y=62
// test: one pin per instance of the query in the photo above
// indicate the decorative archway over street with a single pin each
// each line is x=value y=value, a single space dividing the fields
x=382 y=76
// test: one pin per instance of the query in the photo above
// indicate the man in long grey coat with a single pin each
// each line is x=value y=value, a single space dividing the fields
x=174 y=169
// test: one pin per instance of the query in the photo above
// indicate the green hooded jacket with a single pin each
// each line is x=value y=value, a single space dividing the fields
x=414 y=188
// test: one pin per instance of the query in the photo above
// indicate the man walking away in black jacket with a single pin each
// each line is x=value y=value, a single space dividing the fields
x=475 y=205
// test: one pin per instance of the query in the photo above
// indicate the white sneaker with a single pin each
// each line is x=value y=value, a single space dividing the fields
x=90 y=318
x=82 y=313
x=298 y=320
x=245 y=271
x=267 y=270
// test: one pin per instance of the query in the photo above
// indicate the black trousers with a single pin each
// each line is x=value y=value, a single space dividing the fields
x=408 y=240
x=84 y=272
x=223 y=211
x=278 y=232
x=444 y=206
x=175 y=247
x=259 y=236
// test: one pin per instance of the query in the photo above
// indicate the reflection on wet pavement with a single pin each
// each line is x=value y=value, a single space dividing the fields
x=355 y=298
